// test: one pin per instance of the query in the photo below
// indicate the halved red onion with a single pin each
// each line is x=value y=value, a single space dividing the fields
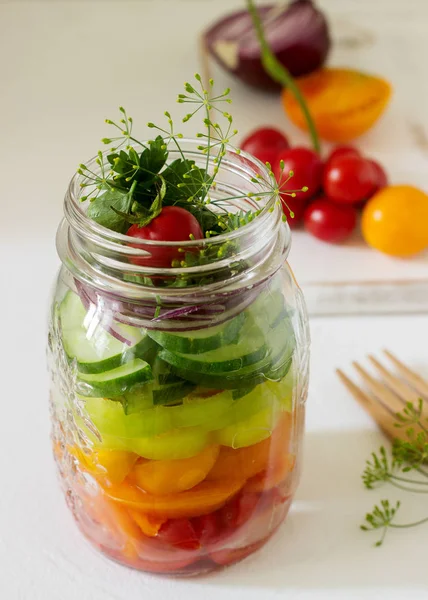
x=298 y=35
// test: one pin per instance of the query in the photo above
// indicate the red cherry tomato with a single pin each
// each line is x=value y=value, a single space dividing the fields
x=237 y=511
x=174 y=224
x=349 y=179
x=265 y=143
x=206 y=528
x=307 y=171
x=179 y=533
x=296 y=206
x=330 y=222
x=340 y=151
x=382 y=177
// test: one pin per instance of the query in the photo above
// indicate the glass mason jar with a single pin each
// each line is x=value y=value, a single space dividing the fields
x=177 y=396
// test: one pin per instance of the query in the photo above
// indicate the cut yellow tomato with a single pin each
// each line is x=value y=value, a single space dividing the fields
x=162 y=477
x=251 y=460
x=273 y=476
x=115 y=464
x=395 y=220
x=109 y=465
x=246 y=461
x=200 y=500
x=344 y=103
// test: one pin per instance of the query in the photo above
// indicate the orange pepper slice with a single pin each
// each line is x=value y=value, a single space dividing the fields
x=200 y=500
x=149 y=524
x=250 y=460
x=161 y=477
x=344 y=103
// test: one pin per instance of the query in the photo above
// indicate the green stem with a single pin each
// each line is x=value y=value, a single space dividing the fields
x=415 y=524
x=407 y=489
x=280 y=74
x=136 y=141
x=130 y=194
x=407 y=480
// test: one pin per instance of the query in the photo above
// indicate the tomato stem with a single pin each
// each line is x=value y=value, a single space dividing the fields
x=281 y=75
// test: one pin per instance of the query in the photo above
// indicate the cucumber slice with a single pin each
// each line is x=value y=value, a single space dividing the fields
x=240 y=393
x=94 y=349
x=145 y=396
x=250 y=349
x=204 y=340
x=251 y=375
x=162 y=372
x=115 y=382
x=172 y=392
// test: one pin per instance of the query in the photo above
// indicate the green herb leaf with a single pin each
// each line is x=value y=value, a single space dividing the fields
x=207 y=219
x=234 y=221
x=153 y=159
x=185 y=181
x=143 y=217
x=109 y=210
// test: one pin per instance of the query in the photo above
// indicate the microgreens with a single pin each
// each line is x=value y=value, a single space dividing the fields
x=407 y=455
x=135 y=179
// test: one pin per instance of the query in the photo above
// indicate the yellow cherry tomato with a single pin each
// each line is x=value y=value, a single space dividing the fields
x=395 y=220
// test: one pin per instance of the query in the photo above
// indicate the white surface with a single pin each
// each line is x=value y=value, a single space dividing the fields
x=63 y=67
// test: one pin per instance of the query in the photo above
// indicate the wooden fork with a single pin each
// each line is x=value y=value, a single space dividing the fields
x=388 y=396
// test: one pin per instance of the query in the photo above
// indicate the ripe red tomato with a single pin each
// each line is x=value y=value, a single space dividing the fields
x=237 y=511
x=174 y=224
x=297 y=207
x=179 y=533
x=265 y=143
x=382 y=177
x=206 y=528
x=350 y=179
x=307 y=171
x=340 y=151
x=330 y=222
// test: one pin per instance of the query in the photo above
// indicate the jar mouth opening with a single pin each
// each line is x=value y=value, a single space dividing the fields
x=244 y=166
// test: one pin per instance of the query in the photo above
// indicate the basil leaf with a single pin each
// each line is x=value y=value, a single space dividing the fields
x=101 y=210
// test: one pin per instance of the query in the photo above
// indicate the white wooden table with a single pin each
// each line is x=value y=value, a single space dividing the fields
x=64 y=66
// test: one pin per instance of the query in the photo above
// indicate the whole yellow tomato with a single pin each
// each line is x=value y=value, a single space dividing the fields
x=395 y=220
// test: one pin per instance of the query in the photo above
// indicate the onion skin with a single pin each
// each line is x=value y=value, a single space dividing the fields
x=298 y=36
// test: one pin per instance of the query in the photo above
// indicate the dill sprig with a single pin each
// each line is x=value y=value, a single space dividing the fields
x=135 y=179
x=407 y=455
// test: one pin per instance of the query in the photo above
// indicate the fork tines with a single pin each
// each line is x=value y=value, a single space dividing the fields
x=388 y=396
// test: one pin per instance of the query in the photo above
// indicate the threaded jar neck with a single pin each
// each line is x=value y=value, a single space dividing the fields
x=106 y=262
